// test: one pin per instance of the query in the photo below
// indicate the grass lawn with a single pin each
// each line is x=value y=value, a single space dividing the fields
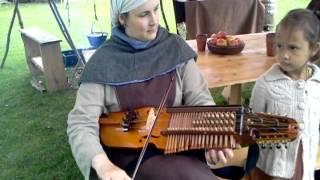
x=33 y=142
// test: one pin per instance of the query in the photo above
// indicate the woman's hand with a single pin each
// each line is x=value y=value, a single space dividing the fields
x=106 y=170
x=216 y=156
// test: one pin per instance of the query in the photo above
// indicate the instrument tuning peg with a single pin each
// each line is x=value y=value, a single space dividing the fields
x=125 y=126
x=249 y=110
x=127 y=112
x=284 y=114
x=125 y=120
x=133 y=113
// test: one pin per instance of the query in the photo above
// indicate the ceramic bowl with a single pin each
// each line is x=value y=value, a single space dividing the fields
x=227 y=49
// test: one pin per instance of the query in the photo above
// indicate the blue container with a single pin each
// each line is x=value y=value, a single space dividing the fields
x=69 y=58
x=97 y=38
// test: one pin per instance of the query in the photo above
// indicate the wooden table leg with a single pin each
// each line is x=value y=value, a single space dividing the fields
x=318 y=159
x=235 y=94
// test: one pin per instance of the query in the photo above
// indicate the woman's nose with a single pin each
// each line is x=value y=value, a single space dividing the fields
x=154 y=19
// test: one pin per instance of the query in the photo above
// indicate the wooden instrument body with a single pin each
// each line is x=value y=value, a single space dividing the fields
x=209 y=127
x=113 y=135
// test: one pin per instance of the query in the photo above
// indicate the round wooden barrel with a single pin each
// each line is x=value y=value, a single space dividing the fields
x=270 y=9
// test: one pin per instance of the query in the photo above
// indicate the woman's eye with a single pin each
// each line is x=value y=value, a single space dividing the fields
x=156 y=9
x=144 y=14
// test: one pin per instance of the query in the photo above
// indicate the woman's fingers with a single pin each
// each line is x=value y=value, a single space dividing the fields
x=221 y=157
x=211 y=156
x=215 y=156
x=238 y=146
x=228 y=153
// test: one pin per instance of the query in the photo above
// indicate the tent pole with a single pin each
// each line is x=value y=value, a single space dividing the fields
x=163 y=15
x=15 y=12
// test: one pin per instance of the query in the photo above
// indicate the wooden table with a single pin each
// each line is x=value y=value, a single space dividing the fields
x=234 y=70
x=318 y=159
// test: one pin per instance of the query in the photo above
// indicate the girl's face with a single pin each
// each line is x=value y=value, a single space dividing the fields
x=142 y=23
x=293 y=52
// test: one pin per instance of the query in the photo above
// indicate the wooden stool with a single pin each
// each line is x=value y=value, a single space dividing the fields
x=43 y=56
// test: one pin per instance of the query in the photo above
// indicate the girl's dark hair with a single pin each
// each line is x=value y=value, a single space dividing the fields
x=306 y=20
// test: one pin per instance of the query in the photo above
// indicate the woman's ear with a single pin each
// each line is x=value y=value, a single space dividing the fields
x=122 y=20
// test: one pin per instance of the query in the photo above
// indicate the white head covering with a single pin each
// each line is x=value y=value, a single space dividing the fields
x=122 y=6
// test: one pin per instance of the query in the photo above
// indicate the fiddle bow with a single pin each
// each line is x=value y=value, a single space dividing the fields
x=153 y=122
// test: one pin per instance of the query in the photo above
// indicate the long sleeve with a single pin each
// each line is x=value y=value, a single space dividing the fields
x=258 y=103
x=193 y=86
x=83 y=127
x=258 y=100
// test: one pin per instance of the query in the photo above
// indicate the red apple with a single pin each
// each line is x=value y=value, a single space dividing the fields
x=233 y=42
x=221 y=42
x=221 y=34
x=229 y=37
x=213 y=36
x=214 y=40
x=237 y=39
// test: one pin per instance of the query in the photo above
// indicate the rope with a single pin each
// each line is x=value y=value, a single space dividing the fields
x=67 y=36
x=68 y=11
x=96 y=19
x=95 y=10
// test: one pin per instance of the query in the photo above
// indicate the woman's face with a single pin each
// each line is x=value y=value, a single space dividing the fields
x=142 y=23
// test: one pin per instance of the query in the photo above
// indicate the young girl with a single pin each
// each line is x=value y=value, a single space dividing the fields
x=292 y=87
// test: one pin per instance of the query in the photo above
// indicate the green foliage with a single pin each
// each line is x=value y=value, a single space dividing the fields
x=283 y=6
x=33 y=143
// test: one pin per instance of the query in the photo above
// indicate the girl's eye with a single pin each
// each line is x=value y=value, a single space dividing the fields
x=293 y=47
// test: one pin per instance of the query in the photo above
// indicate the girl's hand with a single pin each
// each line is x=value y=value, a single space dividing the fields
x=106 y=170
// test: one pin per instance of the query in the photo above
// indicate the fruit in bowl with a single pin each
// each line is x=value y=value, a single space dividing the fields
x=222 y=43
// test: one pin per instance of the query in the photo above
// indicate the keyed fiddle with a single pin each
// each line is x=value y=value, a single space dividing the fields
x=196 y=127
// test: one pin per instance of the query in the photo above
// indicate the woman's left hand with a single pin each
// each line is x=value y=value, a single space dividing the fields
x=215 y=156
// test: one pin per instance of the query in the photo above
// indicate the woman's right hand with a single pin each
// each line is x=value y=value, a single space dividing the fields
x=106 y=170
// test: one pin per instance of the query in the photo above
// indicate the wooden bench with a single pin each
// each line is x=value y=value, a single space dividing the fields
x=43 y=56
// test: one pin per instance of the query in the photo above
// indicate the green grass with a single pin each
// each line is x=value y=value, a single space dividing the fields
x=33 y=142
